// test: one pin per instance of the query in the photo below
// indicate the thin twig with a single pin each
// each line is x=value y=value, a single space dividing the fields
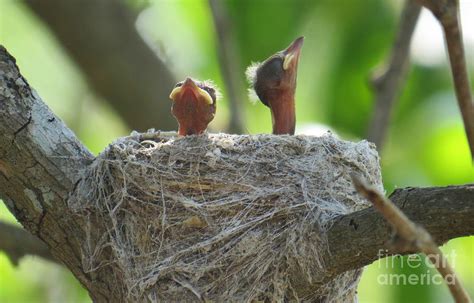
x=412 y=236
x=230 y=65
x=388 y=81
x=447 y=13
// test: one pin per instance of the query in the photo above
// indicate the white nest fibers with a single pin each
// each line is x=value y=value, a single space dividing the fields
x=218 y=217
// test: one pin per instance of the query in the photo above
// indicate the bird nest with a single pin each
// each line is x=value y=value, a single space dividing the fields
x=220 y=217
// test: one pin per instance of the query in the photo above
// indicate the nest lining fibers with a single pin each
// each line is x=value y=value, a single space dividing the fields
x=221 y=218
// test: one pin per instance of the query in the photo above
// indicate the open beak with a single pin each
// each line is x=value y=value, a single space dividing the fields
x=190 y=87
x=292 y=53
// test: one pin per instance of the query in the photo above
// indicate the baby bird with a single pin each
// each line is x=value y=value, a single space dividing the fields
x=274 y=82
x=194 y=105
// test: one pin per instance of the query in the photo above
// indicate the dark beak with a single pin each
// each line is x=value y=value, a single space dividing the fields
x=189 y=84
x=292 y=53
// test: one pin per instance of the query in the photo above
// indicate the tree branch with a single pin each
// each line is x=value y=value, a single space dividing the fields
x=39 y=163
x=101 y=38
x=17 y=243
x=357 y=239
x=412 y=237
x=447 y=13
x=230 y=65
x=387 y=82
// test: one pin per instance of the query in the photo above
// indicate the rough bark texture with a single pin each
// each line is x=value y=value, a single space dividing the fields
x=101 y=37
x=40 y=159
x=355 y=240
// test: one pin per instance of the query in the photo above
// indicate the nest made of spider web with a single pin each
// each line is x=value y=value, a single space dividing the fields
x=220 y=217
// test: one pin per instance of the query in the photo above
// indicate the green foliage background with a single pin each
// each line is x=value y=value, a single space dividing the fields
x=345 y=40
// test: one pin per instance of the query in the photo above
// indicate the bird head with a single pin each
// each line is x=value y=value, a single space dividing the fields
x=274 y=82
x=277 y=73
x=194 y=105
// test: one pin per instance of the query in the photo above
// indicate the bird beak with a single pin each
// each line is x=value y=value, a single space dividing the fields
x=190 y=87
x=292 y=53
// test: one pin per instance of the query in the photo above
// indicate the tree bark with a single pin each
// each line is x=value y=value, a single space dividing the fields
x=358 y=239
x=101 y=38
x=41 y=161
